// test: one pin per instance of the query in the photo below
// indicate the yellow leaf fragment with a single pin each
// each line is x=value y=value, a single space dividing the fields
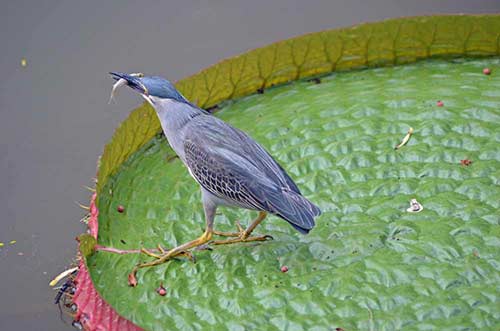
x=62 y=275
x=405 y=139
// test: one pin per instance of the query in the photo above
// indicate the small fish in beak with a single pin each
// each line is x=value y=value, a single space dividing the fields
x=119 y=83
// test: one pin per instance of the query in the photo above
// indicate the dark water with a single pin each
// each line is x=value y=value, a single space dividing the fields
x=54 y=116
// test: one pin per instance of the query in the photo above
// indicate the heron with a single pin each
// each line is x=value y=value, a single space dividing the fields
x=231 y=168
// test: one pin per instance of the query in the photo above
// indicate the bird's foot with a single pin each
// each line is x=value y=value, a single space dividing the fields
x=242 y=240
x=241 y=236
x=159 y=259
x=231 y=234
x=164 y=252
x=167 y=255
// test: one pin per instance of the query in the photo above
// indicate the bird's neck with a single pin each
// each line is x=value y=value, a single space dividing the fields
x=174 y=116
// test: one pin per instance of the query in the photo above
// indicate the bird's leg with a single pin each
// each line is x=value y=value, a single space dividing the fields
x=243 y=235
x=251 y=227
x=167 y=255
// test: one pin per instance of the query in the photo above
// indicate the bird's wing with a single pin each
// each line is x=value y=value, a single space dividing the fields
x=231 y=165
x=264 y=160
x=217 y=159
x=211 y=130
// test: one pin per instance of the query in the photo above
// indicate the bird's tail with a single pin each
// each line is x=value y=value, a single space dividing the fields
x=295 y=209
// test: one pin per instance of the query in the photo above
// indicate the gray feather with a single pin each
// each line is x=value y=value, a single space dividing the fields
x=231 y=165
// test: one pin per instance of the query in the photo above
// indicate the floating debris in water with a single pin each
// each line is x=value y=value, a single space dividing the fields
x=77 y=325
x=91 y=189
x=67 y=287
x=85 y=219
x=466 y=162
x=82 y=206
x=24 y=62
x=62 y=275
x=486 y=71
x=405 y=139
x=415 y=207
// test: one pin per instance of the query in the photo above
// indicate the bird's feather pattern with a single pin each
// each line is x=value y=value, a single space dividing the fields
x=231 y=165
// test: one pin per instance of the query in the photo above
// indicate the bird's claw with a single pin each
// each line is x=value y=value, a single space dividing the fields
x=188 y=255
x=149 y=253
x=242 y=238
x=239 y=234
x=161 y=249
x=164 y=253
x=203 y=248
x=240 y=228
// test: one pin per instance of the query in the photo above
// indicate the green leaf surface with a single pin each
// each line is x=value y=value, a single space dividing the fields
x=368 y=264
x=394 y=41
x=87 y=245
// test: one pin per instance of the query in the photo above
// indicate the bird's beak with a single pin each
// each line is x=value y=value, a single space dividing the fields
x=132 y=80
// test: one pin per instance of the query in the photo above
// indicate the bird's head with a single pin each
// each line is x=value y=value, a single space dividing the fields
x=151 y=88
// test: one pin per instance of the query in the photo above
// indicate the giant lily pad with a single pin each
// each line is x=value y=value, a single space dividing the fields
x=368 y=264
